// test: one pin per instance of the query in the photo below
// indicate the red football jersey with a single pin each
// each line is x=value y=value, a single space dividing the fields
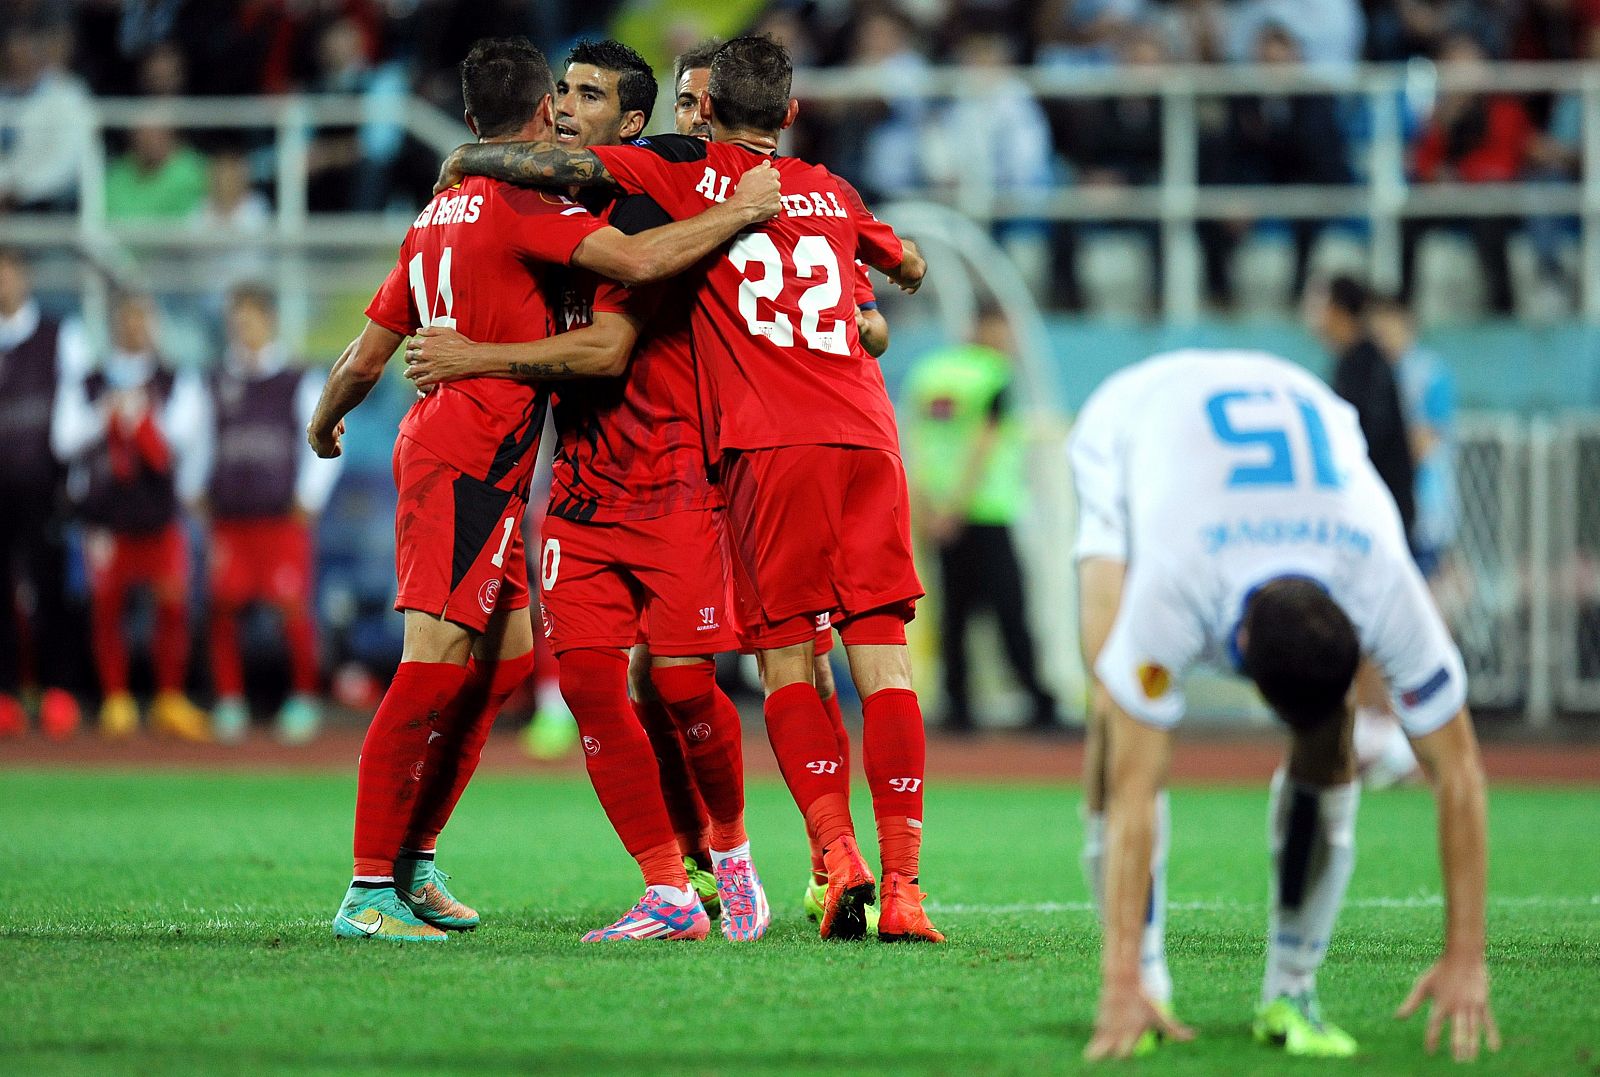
x=774 y=320
x=482 y=258
x=630 y=448
x=865 y=297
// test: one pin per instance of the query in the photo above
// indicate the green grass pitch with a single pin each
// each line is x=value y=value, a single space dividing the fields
x=179 y=922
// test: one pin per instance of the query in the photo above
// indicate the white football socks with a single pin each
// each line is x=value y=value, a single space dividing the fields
x=740 y=852
x=672 y=895
x=1312 y=833
x=1153 y=973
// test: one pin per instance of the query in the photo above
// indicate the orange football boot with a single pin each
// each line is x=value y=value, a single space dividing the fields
x=850 y=890
x=901 y=916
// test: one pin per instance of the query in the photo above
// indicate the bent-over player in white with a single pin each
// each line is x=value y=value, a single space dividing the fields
x=1228 y=514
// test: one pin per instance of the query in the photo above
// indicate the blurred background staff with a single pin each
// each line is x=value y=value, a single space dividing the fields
x=1337 y=313
x=965 y=457
x=138 y=432
x=1428 y=396
x=42 y=364
x=264 y=489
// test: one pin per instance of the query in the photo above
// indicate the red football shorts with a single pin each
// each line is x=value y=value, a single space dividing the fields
x=261 y=560
x=663 y=581
x=458 y=541
x=817 y=529
x=118 y=562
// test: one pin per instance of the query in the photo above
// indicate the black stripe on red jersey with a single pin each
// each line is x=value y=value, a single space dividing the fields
x=517 y=444
x=674 y=147
x=579 y=510
x=479 y=508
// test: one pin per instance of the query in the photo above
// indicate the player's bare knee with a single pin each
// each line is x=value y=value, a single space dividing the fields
x=430 y=638
x=822 y=676
x=640 y=688
x=875 y=667
x=783 y=666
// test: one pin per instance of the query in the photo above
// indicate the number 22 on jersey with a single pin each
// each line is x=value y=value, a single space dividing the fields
x=756 y=253
x=1278 y=468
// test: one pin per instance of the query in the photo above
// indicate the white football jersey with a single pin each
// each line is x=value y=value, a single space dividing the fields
x=1212 y=472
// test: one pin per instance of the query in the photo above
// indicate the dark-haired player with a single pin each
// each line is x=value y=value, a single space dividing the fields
x=479 y=257
x=1228 y=512
x=632 y=545
x=808 y=452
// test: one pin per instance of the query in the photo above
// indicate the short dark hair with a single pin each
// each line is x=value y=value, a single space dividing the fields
x=254 y=294
x=1348 y=294
x=636 y=82
x=1301 y=650
x=503 y=79
x=695 y=56
x=750 y=79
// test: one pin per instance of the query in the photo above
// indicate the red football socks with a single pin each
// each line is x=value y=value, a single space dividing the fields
x=391 y=768
x=894 y=755
x=170 y=644
x=684 y=807
x=621 y=765
x=300 y=633
x=819 y=870
x=227 y=667
x=452 y=757
x=808 y=757
x=709 y=723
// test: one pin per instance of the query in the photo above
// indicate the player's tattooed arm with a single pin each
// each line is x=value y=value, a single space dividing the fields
x=351 y=379
x=436 y=355
x=527 y=164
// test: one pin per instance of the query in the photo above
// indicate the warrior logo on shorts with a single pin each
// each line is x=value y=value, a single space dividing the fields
x=700 y=732
x=488 y=595
x=591 y=746
x=546 y=621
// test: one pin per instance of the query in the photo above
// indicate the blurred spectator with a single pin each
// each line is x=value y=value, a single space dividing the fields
x=1428 y=393
x=880 y=142
x=350 y=166
x=996 y=140
x=47 y=119
x=159 y=178
x=1470 y=138
x=1556 y=155
x=235 y=209
x=1084 y=32
x=164 y=72
x=1116 y=143
x=141 y=428
x=1326 y=31
x=1337 y=312
x=264 y=489
x=1292 y=139
x=42 y=363
x=965 y=451
x=1407 y=29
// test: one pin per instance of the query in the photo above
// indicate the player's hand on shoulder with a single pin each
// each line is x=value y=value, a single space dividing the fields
x=759 y=193
x=1125 y=1015
x=326 y=443
x=436 y=354
x=450 y=172
x=1459 y=990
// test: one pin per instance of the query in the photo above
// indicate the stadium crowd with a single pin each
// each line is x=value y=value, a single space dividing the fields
x=59 y=53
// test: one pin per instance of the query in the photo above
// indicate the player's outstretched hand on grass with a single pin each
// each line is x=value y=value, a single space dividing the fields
x=1124 y=1018
x=759 y=193
x=436 y=354
x=326 y=443
x=1459 y=990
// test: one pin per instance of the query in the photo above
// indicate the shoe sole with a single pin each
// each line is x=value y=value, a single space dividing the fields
x=908 y=937
x=849 y=919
